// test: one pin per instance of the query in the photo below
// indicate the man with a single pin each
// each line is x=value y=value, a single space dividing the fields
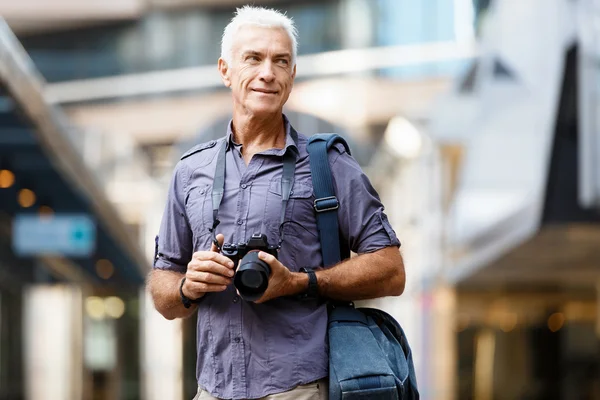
x=274 y=347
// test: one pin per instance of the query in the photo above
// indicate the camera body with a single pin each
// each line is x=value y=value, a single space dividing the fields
x=252 y=274
x=258 y=242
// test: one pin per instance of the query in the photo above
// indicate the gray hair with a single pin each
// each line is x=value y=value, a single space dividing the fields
x=258 y=16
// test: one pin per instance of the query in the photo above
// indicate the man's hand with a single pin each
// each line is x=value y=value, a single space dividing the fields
x=208 y=271
x=282 y=282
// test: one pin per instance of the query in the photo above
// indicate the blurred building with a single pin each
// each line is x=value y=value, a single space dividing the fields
x=492 y=188
x=518 y=138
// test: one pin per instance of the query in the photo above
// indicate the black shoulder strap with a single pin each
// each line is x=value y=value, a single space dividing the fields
x=326 y=203
x=287 y=181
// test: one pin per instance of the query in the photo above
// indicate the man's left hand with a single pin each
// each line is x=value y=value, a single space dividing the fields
x=281 y=281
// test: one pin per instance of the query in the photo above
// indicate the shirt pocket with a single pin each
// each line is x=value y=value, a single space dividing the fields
x=299 y=226
x=199 y=210
x=300 y=199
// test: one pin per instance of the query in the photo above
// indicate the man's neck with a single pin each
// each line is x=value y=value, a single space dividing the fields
x=256 y=135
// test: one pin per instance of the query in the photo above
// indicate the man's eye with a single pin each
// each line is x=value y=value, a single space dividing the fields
x=252 y=58
x=283 y=61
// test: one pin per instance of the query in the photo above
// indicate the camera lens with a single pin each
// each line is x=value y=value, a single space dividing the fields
x=252 y=277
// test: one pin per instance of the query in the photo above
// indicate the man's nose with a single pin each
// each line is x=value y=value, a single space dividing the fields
x=266 y=71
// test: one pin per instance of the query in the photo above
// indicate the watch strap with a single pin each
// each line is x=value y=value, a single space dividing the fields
x=187 y=302
x=312 y=292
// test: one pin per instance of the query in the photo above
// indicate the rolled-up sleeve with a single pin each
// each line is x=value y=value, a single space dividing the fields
x=362 y=219
x=174 y=242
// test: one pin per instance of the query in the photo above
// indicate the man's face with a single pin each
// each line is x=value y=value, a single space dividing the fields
x=260 y=74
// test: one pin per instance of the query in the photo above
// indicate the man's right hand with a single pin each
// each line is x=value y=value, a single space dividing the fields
x=208 y=271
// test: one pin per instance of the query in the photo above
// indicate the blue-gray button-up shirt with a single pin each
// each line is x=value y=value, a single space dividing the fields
x=248 y=350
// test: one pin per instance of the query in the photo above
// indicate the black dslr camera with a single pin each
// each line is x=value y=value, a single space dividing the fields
x=252 y=276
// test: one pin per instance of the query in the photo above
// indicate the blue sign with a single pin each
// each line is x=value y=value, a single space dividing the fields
x=60 y=234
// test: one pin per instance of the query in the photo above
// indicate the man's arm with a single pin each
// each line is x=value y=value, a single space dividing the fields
x=366 y=276
x=174 y=250
x=378 y=270
x=164 y=288
x=363 y=277
x=208 y=271
x=204 y=271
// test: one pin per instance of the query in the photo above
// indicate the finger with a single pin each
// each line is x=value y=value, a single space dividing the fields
x=266 y=257
x=207 y=277
x=220 y=239
x=210 y=266
x=199 y=288
x=213 y=256
x=264 y=298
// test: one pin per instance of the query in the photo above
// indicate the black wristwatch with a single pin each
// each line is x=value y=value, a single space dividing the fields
x=312 y=292
x=187 y=302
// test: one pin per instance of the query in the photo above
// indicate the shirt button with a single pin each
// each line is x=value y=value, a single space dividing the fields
x=240 y=222
x=244 y=186
x=237 y=340
x=236 y=299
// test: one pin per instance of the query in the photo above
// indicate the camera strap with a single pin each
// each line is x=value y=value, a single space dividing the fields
x=287 y=181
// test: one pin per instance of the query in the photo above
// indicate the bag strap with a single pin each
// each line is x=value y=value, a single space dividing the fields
x=326 y=203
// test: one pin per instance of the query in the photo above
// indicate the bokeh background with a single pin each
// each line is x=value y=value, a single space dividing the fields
x=476 y=121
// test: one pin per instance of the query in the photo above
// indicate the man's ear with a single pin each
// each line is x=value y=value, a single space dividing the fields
x=293 y=74
x=224 y=71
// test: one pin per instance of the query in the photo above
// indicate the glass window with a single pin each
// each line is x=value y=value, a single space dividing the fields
x=166 y=40
x=411 y=22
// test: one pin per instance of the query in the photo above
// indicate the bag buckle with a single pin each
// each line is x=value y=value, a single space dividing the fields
x=326 y=204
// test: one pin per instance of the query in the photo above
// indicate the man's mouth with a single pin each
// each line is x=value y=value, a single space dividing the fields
x=266 y=91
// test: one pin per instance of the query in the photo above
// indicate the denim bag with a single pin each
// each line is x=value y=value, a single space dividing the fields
x=369 y=355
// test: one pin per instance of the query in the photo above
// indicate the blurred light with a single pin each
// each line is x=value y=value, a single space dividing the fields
x=46 y=211
x=94 y=306
x=580 y=311
x=114 y=306
x=403 y=138
x=26 y=198
x=7 y=179
x=509 y=322
x=556 y=321
x=104 y=269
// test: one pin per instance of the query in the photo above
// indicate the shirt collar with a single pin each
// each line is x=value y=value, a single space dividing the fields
x=291 y=137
